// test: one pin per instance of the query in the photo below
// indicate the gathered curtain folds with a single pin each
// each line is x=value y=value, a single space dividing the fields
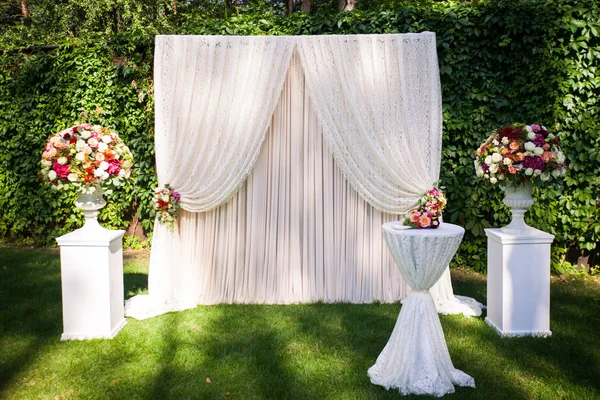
x=378 y=99
x=306 y=223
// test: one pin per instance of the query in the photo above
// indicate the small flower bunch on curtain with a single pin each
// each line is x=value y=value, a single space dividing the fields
x=520 y=153
x=427 y=214
x=166 y=202
x=85 y=156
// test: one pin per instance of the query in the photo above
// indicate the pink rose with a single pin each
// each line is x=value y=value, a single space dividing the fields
x=62 y=171
x=114 y=167
x=424 y=221
x=414 y=217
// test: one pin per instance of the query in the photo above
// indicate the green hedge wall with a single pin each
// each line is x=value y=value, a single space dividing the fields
x=502 y=61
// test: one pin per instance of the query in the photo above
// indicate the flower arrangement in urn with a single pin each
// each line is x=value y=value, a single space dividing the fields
x=520 y=153
x=86 y=156
x=166 y=203
x=427 y=214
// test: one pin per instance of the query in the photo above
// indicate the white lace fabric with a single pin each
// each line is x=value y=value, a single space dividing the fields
x=378 y=99
x=416 y=360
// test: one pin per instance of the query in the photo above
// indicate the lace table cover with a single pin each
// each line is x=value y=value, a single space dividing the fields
x=416 y=360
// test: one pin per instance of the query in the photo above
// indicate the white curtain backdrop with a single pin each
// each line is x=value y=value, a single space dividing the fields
x=296 y=231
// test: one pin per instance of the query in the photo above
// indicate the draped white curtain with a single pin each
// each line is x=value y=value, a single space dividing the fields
x=296 y=231
x=378 y=99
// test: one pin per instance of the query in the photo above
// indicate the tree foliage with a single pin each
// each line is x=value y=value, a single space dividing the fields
x=531 y=61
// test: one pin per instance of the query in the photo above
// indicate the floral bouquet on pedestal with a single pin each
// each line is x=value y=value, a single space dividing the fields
x=520 y=153
x=427 y=214
x=86 y=156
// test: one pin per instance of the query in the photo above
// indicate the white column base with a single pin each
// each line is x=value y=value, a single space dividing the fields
x=517 y=333
x=518 y=286
x=91 y=261
x=87 y=336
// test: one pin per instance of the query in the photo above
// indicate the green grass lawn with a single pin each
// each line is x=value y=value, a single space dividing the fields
x=315 y=351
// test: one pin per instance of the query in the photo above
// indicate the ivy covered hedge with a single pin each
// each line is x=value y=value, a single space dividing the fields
x=502 y=61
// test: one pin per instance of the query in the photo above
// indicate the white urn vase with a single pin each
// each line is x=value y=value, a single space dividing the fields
x=518 y=198
x=90 y=200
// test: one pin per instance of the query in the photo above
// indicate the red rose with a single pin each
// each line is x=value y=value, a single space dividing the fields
x=73 y=140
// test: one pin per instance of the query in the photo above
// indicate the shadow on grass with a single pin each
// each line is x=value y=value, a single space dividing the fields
x=135 y=283
x=31 y=312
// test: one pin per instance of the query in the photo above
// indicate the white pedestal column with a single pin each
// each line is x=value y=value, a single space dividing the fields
x=91 y=261
x=518 y=285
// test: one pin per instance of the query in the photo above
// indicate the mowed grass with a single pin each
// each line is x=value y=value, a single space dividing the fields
x=308 y=351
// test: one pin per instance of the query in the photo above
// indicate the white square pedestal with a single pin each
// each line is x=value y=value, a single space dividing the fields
x=91 y=260
x=518 y=282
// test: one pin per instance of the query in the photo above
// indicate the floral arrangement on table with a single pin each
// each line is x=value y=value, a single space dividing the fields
x=86 y=156
x=427 y=214
x=520 y=153
x=166 y=202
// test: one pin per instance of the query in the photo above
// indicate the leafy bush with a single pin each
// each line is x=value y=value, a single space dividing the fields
x=500 y=61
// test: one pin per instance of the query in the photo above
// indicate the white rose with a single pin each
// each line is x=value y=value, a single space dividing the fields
x=529 y=146
x=480 y=172
x=496 y=143
x=486 y=176
x=531 y=135
x=80 y=156
x=85 y=134
x=102 y=147
x=560 y=157
x=493 y=168
x=501 y=177
x=98 y=173
x=505 y=140
x=62 y=160
x=93 y=142
x=507 y=161
x=537 y=172
x=106 y=139
x=493 y=181
x=528 y=128
x=545 y=176
x=72 y=177
x=556 y=173
x=122 y=173
x=104 y=175
x=538 y=151
x=80 y=145
x=47 y=163
x=496 y=157
x=52 y=175
x=87 y=150
x=529 y=171
x=488 y=160
x=103 y=166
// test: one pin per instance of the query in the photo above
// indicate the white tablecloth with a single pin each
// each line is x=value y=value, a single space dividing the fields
x=416 y=360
